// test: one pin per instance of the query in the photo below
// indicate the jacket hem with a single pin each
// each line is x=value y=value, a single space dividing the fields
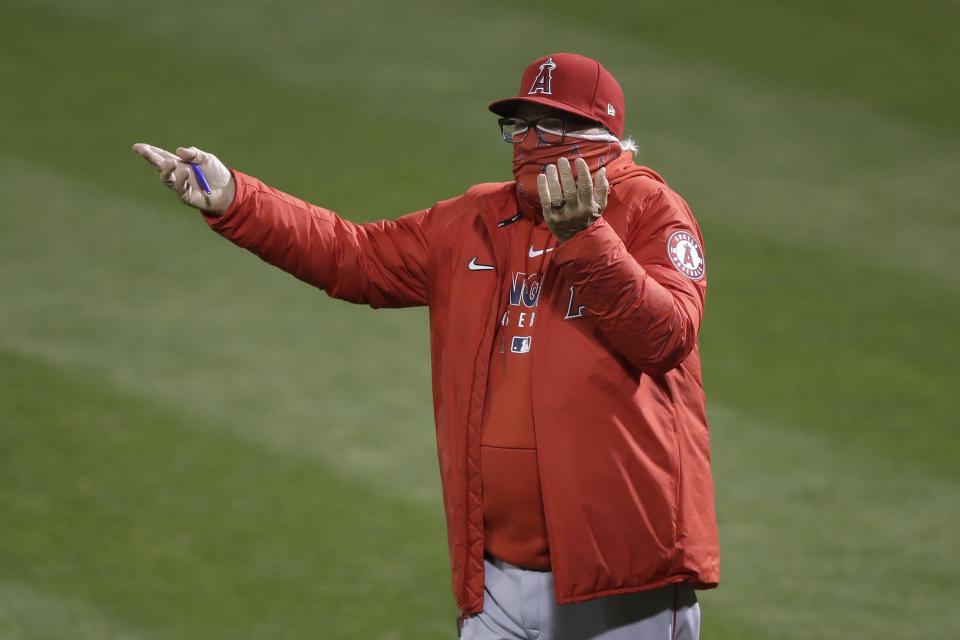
x=697 y=584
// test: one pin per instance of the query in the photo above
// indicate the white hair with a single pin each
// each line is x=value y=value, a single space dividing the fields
x=602 y=134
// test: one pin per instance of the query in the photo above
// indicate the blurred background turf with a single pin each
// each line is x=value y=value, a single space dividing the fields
x=194 y=445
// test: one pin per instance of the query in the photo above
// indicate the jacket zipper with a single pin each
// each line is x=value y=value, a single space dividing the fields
x=487 y=338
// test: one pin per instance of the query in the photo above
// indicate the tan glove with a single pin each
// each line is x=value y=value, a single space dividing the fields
x=571 y=205
x=176 y=173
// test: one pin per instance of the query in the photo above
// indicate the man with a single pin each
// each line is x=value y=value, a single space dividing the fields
x=564 y=312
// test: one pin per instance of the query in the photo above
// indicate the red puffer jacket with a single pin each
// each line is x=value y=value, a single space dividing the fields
x=623 y=446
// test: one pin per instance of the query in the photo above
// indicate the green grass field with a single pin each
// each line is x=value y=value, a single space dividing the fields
x=195 y=445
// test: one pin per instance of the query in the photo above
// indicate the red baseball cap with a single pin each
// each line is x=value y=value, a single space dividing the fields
x=571 y=83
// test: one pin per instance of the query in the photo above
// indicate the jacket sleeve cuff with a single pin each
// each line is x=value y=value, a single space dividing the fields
x=599 y=239
x=245 y=185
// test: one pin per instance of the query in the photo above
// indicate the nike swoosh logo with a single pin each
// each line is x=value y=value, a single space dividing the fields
x=475 y=266
x=533 y=253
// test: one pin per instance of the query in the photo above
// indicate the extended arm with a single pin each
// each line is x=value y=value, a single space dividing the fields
x=382 y=264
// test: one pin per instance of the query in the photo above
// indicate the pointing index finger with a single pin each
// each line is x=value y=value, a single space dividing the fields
x=154 y=155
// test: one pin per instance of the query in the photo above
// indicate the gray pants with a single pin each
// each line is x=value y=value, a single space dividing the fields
x=519 y=605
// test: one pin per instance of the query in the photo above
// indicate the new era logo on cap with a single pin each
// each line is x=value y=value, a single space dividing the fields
x=571 y=83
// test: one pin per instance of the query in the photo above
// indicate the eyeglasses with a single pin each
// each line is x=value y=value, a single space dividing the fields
x=552 y=130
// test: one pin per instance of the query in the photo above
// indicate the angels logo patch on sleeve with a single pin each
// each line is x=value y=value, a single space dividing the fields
x=686 y=255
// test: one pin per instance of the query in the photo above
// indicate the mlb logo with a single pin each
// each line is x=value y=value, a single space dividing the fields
x=521 y=344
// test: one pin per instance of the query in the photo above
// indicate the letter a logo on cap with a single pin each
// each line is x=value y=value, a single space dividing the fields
x=542 y=82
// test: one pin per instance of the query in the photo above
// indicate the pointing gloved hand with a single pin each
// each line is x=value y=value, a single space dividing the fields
x=571 y=205
x=176 y=173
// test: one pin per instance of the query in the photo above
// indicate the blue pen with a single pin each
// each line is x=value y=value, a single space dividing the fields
x=200 y=178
